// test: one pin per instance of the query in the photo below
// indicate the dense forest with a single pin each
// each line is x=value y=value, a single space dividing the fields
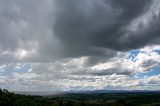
x=82 y=99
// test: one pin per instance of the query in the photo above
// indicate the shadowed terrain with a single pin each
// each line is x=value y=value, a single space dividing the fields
x=90 y=98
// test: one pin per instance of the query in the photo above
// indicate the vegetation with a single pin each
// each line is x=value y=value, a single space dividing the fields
x=81 y=99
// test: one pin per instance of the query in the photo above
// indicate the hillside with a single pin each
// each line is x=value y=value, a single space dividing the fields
x=122 y=98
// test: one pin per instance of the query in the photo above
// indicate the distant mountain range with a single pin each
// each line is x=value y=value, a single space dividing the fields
x=117 y=91
x=42 y=93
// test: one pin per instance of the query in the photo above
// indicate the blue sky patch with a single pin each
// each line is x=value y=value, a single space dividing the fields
x=21 y=68
x=153 y=72
x=133 y=53
x=157 y=51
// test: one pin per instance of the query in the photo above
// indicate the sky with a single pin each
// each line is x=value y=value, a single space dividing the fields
x=63 y=45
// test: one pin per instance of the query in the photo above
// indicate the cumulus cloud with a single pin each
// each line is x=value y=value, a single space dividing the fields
x=40 y=82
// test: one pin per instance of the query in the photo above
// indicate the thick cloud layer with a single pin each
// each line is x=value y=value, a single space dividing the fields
x=78 y=43
x=89 y=27
x=46 y=30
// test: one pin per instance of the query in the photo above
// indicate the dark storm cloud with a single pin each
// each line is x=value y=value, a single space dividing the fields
x=83 y=26
x=147 y=34
x=26 y=25
x=52 y=29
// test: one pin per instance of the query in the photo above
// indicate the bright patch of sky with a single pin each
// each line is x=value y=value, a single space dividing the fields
x=154 y=71
x=133 y=53
x=8 y=69
x=157 y=51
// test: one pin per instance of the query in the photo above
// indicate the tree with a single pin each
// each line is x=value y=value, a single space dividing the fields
x=24 y=102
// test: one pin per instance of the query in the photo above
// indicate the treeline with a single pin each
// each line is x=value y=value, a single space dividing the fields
x=96 y=99
x=11 y=99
